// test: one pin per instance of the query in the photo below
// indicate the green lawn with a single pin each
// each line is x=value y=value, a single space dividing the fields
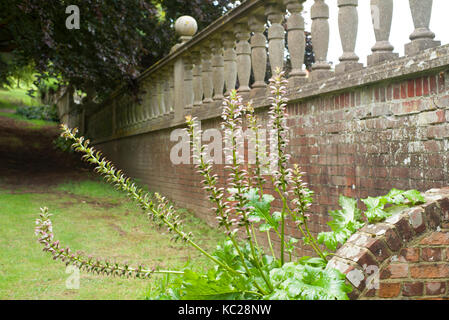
x=12 y=98
x=92 y=217
x=29 y=123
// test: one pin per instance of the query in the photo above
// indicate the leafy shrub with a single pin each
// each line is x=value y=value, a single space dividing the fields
x=242 y=268
x=47 y=113
x=62 y=144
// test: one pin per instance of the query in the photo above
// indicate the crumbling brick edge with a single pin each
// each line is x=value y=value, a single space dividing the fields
x=375 y=244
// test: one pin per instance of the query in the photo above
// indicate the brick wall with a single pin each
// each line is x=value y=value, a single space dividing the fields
x=359 y=142
x=407 y=257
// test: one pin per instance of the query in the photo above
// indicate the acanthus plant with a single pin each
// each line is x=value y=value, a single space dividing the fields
x=242 y=268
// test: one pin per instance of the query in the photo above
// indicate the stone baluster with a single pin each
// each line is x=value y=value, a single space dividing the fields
x=188 y=82
x=172 y=91
x=197 y=80
x=382 y=15
x=218 y=69
x=422 y=38
x=160 y=93
x=348 y=24
x=296 y=39
x=206 y=72
x=243 y=50
x=320 y=38
x=167 y=99
x=133 y=113
x=230 y=62
x=154 y=100
x=276 y=35
x=258 y=50
x=146 y=100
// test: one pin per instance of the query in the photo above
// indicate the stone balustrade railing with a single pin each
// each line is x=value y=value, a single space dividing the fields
x=233 y=53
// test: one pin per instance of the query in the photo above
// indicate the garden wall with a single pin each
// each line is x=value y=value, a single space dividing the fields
x=358 y=134
x=407 y=257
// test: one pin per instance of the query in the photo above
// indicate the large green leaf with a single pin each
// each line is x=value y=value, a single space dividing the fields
x=262 y=209
x=303 y=282
x=348 y=213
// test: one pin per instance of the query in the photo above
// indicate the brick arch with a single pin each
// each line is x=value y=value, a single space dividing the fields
x=405 y=257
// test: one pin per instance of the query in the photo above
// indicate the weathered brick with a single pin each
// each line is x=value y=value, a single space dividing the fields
x=389 y=290
x=431 y=254
x=410 y=289
x=431 y=117
x=379 y=249
x=404 y=229
x=429 y=271
x=432 y=215
x=409 y=254
x=435 y=288
x=391 y=237
x=436 y=239
x=395 y=271
x=417 y=220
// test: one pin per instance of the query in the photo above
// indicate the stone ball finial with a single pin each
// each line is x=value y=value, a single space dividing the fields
x=186 y=26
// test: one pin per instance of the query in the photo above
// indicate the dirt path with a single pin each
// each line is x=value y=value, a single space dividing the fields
x=29 y=160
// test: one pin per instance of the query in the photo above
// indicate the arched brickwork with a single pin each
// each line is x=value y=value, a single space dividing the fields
x=406 y=257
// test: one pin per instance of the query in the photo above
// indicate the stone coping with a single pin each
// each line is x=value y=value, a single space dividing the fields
x=374 y=244
x=429 y=61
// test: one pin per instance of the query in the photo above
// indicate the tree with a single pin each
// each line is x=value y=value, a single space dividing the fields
x=115 y=42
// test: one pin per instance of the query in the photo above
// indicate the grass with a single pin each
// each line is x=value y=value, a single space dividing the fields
x=92 y=217
x=13 y=98
x=30 y=123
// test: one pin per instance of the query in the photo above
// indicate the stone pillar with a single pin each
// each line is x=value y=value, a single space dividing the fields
x=218 y=69
x=186 y=27
x=348 y=23
x=230 y=62
x=197 y=80
x=296 y=40
x=276 y=35
x=422 y=37
x=188 y=82
x=258 y=50
x=206 y=73
x=320 y=38
x=382 y=15
x=242 y=35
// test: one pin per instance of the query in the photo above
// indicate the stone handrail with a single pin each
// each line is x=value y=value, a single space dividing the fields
x=233 y=53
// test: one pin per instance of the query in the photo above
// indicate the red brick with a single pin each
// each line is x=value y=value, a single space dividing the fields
x=395 y=271
x=377 y=95
x=389 y=290
x=435 y=288
x=410 y=254
x=418 y=86
x=411 y=88
x=410 y=289
x=433 y=84
x=396 y=92
x=403 y=90
x=431 y=254
x=436 y=239
x=426 y=89
x=429 y=271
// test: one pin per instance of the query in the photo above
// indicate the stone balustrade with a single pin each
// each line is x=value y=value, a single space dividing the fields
x=241 y=50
